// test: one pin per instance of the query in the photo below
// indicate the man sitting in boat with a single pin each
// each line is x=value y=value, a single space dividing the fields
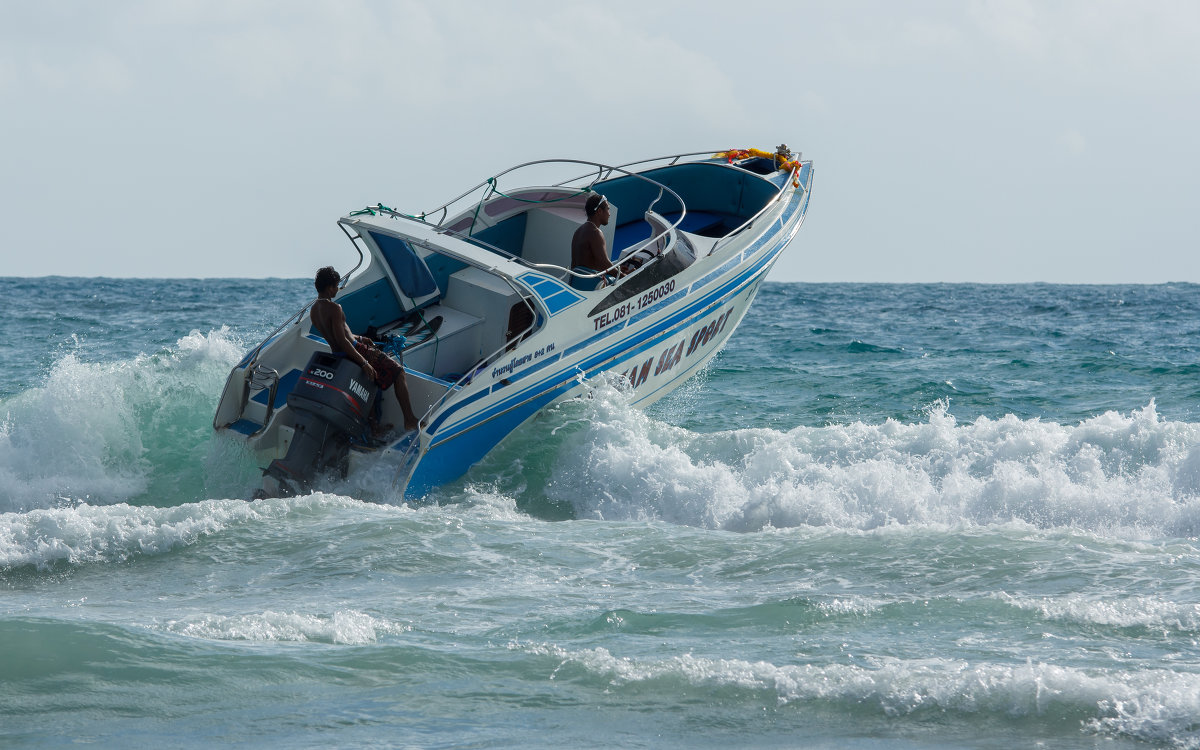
x=330 y=321
x=588 y=248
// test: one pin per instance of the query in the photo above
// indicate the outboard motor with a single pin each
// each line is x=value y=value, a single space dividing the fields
x=330 y=406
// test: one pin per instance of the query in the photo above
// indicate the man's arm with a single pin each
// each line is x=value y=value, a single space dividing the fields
x=597 y=254
x=344 y=339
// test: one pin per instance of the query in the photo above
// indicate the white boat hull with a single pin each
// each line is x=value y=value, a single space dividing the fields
x=655 y=338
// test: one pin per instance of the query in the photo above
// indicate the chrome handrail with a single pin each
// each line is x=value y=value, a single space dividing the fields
x=464 y=380
x=483 y=362
x=299 y=314
x=258 y=376
x=353 y=241
x=294 y=317
x=602 y=171
x=490 y=182
x=779 y=194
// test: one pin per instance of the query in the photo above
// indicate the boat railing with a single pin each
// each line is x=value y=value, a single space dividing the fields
x=464 y=379
x=778 y=195
x=298 y=316
x=668 y=160
x=262 y=378
x=597 y=173
x=484 y=361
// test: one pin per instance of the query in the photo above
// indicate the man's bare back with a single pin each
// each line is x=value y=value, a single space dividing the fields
x=329 y=319
x=588 y=246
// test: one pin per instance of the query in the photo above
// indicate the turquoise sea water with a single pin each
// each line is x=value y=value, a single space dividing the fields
x=914 y=516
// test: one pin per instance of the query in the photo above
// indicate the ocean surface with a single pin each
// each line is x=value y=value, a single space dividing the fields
x=886 y=516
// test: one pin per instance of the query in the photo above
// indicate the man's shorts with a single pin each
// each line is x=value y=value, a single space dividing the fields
x=386 y=368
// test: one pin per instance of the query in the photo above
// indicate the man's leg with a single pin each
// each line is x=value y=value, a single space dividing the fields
x=401 y=388
x=390 y=374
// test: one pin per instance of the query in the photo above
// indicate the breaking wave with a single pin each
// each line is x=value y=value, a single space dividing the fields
x=139 y=432
x=1128 y=474
x=1147 y=705
x=87 y=534
x=136 y=430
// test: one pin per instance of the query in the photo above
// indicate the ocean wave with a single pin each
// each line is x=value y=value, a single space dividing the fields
x=110 y=432
x=1138 y=612
x=1126 y=474
x=87 y=534
x=343 y=627
x=1147 y=705
x=139 y=431
x=862 y=347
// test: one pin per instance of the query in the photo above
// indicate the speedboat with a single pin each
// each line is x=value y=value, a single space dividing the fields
x=479 y=300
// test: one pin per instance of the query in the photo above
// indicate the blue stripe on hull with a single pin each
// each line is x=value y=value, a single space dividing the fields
x=450 y=459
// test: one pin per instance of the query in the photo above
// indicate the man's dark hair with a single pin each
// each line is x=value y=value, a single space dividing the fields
x=325 y=277
x=594 y=201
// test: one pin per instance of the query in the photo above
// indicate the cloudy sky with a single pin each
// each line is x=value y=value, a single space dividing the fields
x=965 y=140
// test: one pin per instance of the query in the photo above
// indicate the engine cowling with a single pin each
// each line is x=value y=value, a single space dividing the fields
x=331 y=406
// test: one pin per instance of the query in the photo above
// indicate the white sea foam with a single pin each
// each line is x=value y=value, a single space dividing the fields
x=1132 y=474
x=1148 y=705
x=342 y=627
x=92 y=534
x=140 y=429
x=93 y=431
x=851 y=605
x=491 y=505
x=74 y=436
x=1131 y=612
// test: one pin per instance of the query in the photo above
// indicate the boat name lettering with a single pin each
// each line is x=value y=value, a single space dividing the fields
x=705 y=334
x=513 y=363
x=516 y=362
x=675 y=353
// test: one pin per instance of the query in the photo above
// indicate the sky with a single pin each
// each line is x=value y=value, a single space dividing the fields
x=994 y=141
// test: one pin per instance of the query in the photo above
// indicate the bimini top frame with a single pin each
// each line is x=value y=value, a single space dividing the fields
x=448 y=218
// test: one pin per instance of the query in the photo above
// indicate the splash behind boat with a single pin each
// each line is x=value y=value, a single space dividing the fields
x=479 y=299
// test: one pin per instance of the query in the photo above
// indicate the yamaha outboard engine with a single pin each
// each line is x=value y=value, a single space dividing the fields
x=330 y=406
